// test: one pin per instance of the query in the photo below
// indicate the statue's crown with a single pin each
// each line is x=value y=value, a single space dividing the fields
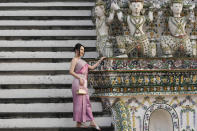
x=136 y=1
x=100 y=3
x=176 y=1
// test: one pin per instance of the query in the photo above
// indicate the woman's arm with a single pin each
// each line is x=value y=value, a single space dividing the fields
x=95 y=65
x=72 y=67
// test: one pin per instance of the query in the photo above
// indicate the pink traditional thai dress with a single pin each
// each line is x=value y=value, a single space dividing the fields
x=82 y=110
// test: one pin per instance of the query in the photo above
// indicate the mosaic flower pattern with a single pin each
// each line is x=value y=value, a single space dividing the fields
x=124 y=76
x=121 y=64
x=121 y=117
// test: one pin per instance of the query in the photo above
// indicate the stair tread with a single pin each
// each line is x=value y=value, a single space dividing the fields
x=47 y=32
x=46 y=23
x=44 y=54
x=41 y=4
x=46 y=43
x=47 y=122
x=109 y=128
x=46 y=13
x=44 y=107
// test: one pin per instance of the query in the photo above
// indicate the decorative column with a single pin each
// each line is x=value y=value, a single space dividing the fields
x=121 y=116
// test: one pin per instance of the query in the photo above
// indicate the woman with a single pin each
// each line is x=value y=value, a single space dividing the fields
x=82 y=111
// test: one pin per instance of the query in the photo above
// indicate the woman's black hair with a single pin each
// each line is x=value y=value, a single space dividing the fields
x=77 y=47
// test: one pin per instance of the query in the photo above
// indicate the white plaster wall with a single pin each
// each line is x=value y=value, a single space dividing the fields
x=160 y=120
x=140 y=104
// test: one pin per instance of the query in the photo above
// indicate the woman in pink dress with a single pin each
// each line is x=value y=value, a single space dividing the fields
x=82 y=111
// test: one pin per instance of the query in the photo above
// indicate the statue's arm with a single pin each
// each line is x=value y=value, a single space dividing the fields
x=120 y=16
x=116 y=8
x=150 y=15
x=154 y=7
x=111 y=16
x=191 y=16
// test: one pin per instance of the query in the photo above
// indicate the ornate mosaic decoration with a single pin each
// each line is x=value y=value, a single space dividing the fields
x=161 y=81
x=181 y=108
x=121 y=116
x=151 y=62
x=116 y=37
x=125 y=77
x=147 y=64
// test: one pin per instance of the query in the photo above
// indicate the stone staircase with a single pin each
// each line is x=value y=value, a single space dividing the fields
x=36 y=40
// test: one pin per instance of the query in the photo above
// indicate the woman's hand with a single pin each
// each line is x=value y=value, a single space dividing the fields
x=102 y=58
x=81 y=82
x=97 y=64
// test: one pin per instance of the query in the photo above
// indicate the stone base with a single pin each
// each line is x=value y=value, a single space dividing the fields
x=148 y=94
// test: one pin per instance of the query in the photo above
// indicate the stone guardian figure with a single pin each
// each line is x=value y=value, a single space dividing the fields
x=103 y=44
x=178 y=42
x=137 y=40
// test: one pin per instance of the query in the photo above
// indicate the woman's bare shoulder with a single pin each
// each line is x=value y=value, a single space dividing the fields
x=74 y=59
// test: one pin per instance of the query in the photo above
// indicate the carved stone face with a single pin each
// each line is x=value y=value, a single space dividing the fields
x=99 y=11
x=136 y=7
x=177 y=8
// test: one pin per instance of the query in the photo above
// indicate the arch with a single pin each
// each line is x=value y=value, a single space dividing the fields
x=160 y=120
x=168 y=108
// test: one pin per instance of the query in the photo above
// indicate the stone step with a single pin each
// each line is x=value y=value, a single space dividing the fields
x=46 y=13
x=39 y=100
x=43 y=49
x=47 y=43
x=36 y=86
x=46 y=115
x=40 y=60
x=34 y=66
x=47 y=1
x=38 y=94
x=63 y=129
x=60 y=129
x=34 y=8
x=47 y=37
x=42 y=100
x=47 y=4
x=20 y=96
x=53 y=27
x=35 y=93
x=44 y=107
x=47 y=33
x=46 y=23
x=35 y=79
x=46 y=17
x=36 y=55
x=37 y=123
x=89 y=129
